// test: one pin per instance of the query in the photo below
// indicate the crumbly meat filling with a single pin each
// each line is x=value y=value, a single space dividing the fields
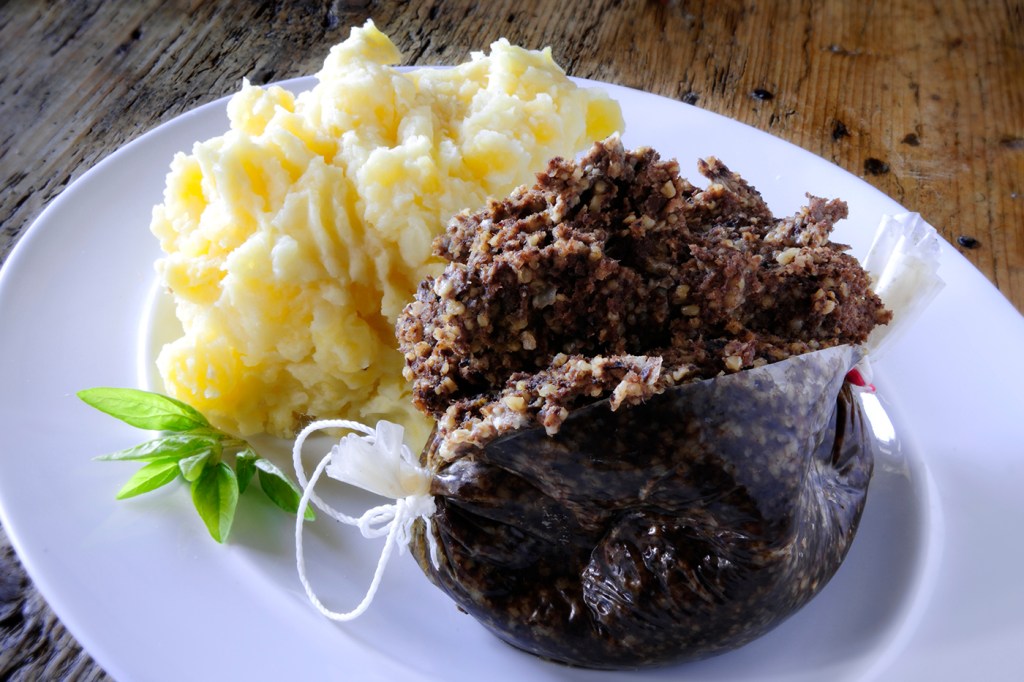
x=615 y=278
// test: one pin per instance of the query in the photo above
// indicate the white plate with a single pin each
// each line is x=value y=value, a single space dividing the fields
x=931 y=588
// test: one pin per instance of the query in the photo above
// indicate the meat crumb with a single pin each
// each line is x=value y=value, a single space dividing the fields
x=614 y=278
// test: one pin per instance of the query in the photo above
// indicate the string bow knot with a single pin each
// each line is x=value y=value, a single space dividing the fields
x=377 y=461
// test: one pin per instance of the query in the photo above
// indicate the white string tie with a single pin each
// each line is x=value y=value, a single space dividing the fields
x=377 y=461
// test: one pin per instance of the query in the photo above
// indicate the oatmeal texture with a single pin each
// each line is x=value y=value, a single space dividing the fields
x=615 y=277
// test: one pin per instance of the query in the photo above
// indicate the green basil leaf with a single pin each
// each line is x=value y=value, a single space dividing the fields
x=215 y=495
x=206 y=432
x=143 y=409
x=174 y=446
x=245 y=467
x=280 y=489
x=192 y=467
x=150 y=477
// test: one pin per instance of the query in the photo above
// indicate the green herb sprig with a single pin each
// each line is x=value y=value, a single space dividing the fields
x=190 y=448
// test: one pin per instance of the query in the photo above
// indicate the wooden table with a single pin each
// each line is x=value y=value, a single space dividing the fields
x=924 y=100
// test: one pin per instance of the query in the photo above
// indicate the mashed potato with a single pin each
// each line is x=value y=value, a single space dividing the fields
x=294 y=240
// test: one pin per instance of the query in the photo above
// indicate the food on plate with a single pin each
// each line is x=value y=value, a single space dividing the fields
x=292 y=241
x=645 y=449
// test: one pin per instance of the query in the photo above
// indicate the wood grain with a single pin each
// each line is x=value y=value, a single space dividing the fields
x=924 y=100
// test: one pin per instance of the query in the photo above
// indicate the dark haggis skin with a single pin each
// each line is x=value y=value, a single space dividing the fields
x=668 y=531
